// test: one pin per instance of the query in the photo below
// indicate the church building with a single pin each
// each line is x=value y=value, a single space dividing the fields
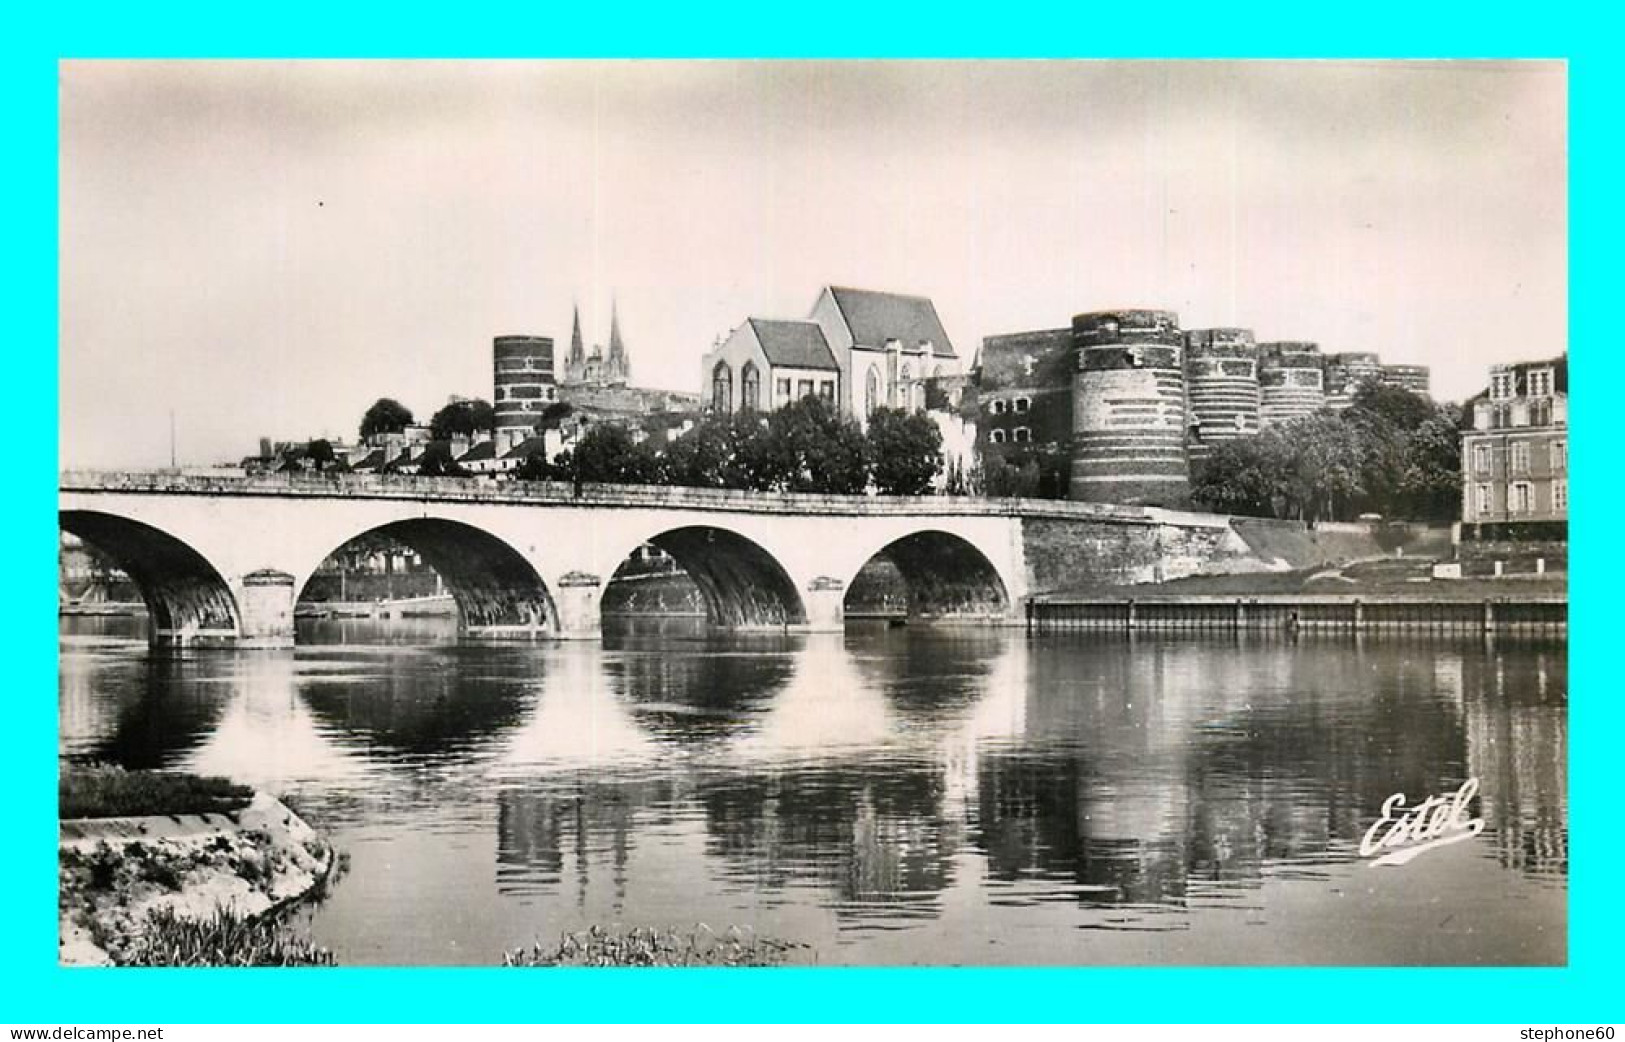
x=859 y=349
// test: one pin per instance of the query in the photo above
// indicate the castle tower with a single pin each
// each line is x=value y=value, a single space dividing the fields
x=524 y=386
x=617 y=367
x=1346 y=373
x=1221 y=381
x=1128 y=416
x=575 y=367
x=1291 y=381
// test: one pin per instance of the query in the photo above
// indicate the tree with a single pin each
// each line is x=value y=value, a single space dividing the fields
x=320 y=452
x=905 y=452
x=553 y=416
x=537 y=468
x=385 y=416
x=1243 y=476
x=437 y=462
x=809 y=448
x=722 y=450
x=607 y=453
x=462 y=417
x=1405 y=410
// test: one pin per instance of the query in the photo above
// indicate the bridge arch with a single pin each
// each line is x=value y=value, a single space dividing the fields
x=929 y=574
x=742 y=585
x=188 y=601
x=497 y=591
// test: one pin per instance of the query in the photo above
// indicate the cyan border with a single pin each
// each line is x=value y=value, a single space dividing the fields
x=34 y=989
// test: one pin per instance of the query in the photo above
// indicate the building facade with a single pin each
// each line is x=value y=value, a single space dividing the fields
x=886 y=344
x=1024 y=393
x=1514 y=455
x=765 y=364
x=859 y=349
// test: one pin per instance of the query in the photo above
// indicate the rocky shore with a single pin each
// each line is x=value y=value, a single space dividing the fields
x=116 y=874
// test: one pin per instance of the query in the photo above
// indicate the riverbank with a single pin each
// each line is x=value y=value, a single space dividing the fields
x=132 y=888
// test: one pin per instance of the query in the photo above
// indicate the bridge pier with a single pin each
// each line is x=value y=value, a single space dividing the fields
x=266 y=605
x=826 y=612
x=576 y=596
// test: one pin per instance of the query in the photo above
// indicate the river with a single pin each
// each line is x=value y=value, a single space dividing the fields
x=886 y=796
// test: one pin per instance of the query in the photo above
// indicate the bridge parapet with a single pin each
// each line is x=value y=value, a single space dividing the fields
x=542 y=493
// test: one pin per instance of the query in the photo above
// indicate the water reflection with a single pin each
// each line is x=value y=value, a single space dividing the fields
x=887 y=793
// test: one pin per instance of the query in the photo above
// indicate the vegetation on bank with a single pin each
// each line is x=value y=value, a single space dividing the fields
x=804 y=447
x=226 y=938
x=106 y=791
x=649 y=946
x=1392 y=453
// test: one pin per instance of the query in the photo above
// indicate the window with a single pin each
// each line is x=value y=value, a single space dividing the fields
x=996 y=407
x=1540 y=383
x=905 y=388
x=784 y=389
x=1501 y=383
x=871 y=392
x=1481 y=459
x=1560 y=495
x=750 y=388
x=1486 y=499
x=1022 y=434
x=722 y=388
x=826 y=391
x=1022 y=405
x=1518 y=500
x=996 y=436
x=804 y=388
x=1520 y=457
x=1560 y=456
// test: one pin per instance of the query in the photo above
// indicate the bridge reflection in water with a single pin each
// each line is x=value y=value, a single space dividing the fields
x=908 y=796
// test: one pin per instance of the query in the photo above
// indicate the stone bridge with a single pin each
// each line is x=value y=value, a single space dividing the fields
x=222 y=560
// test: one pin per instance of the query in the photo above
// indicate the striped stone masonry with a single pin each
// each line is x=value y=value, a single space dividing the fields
x=1221 y=385
x=1129 y=409
x=1291 y=381
x=523 y=382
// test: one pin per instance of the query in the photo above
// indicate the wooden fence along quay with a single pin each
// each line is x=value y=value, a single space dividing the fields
x=1291 y=613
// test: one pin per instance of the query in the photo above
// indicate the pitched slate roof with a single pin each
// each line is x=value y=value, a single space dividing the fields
x=371 y=461
x=483 y=451
x=793 y=343
x=526 y=448
x=874 y=318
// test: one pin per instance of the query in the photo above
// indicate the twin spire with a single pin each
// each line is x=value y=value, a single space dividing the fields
x=582 y=368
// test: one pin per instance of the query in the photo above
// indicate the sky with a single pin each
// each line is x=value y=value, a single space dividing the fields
x=264 y=248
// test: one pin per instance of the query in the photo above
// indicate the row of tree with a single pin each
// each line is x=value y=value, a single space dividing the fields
x=1392 y=453
x=463 y=417
x=804 y=447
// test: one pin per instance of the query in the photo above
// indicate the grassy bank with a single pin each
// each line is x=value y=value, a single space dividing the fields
x=102 y=791
x=225 y=938
x=647 y=946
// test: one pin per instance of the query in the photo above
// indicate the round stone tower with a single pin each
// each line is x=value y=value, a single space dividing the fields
x=1128 y=415
x=1346 y=373
x=1221 y=384
x=1291 y=381
x=524 y=386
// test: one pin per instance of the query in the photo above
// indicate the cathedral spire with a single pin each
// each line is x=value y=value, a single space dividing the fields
x=618 y=364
